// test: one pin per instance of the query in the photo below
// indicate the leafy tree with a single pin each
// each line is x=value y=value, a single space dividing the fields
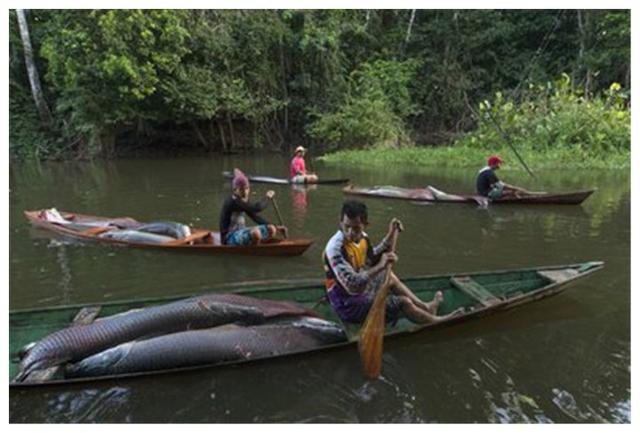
x=373 y=112
x=278 y=78
x=556 y=115
x=106 y=67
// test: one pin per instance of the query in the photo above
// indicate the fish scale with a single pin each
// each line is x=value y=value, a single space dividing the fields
x=208 y=346
x=206 y=311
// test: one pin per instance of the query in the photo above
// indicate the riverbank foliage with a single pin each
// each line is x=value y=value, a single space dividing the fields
x=226 y=80
x=553 y=126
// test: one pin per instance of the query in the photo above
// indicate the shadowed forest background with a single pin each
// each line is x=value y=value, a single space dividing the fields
x=119 y=82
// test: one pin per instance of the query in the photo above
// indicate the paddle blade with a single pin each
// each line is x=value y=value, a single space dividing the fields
x=371 y=337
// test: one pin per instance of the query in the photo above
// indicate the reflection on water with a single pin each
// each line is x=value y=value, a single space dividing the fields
x=300 y=201
x=76 y=406
x=65 y=271
x=565 y=359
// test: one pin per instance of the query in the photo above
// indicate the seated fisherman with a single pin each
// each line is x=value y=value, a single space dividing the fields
x=488 y=184
x=297 y=169
x=233 y=229
x=355 y=272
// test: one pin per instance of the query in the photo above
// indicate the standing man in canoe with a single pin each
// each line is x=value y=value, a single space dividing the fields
x=488 y=185
x=297 y=169
x=233 y=229
x=355 y=272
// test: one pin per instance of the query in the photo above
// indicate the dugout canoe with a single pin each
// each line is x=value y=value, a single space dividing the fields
x=434 y=196
x=283 y=181
x=479 y=293
x=90 y=227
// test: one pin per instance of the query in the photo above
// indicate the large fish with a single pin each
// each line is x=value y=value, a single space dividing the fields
x=54 y=216
x=77 y=342
x=136 y=236
x=166 y=228
x=209 y=346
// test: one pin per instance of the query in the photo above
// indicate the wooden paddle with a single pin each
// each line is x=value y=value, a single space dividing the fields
x=275 y=206
x=372 y=332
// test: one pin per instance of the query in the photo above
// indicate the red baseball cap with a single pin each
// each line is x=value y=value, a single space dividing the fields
x=494 y=160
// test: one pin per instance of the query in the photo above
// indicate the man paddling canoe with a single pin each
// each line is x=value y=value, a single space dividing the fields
x=297 y=169
x=355 y=271
x=488 y=184
x=233 y=229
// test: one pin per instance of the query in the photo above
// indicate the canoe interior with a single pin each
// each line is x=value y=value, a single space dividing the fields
x=423 y=194
x=207 y=242
x=509 y=287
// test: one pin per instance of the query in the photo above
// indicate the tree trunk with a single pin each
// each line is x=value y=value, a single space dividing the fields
x=278 y=130
x=212 y=134
x=34 y=78
x=413 y=17
x=104 y=141
x=232 y=135
x=199 y=135
x=582 y=24
x=589 y=80
x=283 y=67
x=627 y=77
x=222 y=137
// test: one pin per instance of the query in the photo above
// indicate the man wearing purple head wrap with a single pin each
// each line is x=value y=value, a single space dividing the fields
x=233 y=228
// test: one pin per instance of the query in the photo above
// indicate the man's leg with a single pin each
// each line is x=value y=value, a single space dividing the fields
x=418 y=315
x=400 y=289
x=415 y=313
x=256 y=235
x=242 y=237
x=263 y=232
x=511 y=193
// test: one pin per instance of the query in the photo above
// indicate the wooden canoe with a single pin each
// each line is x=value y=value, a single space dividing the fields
x=427 y=195
x=479 y=293
x=199 y=241
x=283 y=181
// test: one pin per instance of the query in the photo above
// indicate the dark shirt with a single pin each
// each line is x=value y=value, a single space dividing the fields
x=233 y=211
x=485 y=181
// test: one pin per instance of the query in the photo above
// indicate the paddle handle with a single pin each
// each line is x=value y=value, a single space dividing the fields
x=275 y=206
x=381 y=296
x=392 y=249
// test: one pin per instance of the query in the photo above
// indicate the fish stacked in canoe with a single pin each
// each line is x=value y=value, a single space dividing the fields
x=168 y=235
x=431 y=194
x=61 y=345
x=283 y=181
x=201 y=329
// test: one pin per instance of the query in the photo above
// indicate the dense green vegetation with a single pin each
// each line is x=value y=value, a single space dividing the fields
x=553 y=126
x=330 y=79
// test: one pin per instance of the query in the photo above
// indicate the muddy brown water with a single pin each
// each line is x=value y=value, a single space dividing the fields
x=565 y=359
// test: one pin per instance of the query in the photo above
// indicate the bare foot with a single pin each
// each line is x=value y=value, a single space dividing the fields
x=451 y=315
x=455 y=313
x=432 y=307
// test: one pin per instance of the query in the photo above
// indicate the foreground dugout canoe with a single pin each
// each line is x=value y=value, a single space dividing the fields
x=479 y=293
x=89 y=228
x=427 y=195
x=283 y=181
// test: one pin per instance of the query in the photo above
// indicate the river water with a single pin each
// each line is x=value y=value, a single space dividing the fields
x=564 y=359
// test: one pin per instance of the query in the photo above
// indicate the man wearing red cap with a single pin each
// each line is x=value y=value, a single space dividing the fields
x=297 y=170
x=233 y=229
x=488 y=184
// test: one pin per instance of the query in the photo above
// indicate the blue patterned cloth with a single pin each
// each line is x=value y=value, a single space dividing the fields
x=242 y=237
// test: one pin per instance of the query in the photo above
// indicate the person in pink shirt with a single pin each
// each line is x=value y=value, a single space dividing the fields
x=298 y=172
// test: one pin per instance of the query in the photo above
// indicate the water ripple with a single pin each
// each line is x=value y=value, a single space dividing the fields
x=87 y=406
